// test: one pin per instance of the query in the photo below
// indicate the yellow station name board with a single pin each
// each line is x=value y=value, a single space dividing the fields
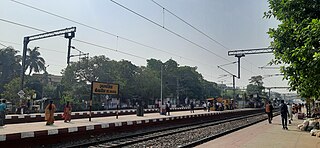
x=105 y=88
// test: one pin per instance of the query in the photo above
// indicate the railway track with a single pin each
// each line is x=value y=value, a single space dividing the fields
x=183 y=136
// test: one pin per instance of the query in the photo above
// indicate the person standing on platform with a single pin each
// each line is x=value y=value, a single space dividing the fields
x=269 y=109
x=3 y=108
x=168 y=105
x=49 y=113
x=290 y=113
x=209 y=105
x=284 y=114
x=204 y=105
x=191 y=107
x=67 y=112
x=28 y=107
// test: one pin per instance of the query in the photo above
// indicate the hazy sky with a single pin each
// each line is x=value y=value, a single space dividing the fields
x=236 y=24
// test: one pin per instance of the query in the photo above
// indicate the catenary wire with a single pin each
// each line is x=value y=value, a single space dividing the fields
x=159 y=25
x=100 y=30
x=85 y=42
x=94 y=28
x=195 y=28
x=13 y=43
x=129 y=39
x=212 y=39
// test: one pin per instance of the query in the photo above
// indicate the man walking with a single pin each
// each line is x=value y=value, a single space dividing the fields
x=284 y=114
x=269 y=109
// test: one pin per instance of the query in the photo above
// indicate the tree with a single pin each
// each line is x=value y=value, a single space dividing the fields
x=296 y=43
x=11 y=90
x=210 y=89
x=136 y=82
x=190 y=83
x=9 y=66
x=33 y=61
x=147 y=85
x=255 y=88
x=255 y=85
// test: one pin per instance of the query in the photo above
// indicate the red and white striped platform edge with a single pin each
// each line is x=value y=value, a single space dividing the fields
x=39 y=129
x=132 y=111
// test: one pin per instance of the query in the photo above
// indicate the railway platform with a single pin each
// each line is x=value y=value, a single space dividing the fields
x=38 y=117
x=265 y=135
x=26 y=133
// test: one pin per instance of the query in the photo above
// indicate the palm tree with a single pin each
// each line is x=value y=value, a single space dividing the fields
x=33 y=61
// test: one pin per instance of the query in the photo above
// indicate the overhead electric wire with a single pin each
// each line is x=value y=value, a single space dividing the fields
x=33 y=46
x=103 y=31
x=94 y=28
x=159 y=25
x=195 y=28
x=100 y=30
x=85 y=42
x=88 y=43
x=3 y=45
x=190 y=25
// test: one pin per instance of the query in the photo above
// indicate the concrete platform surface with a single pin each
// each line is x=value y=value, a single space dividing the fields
x=38 y=130
x=265 y=135
x=38 y=126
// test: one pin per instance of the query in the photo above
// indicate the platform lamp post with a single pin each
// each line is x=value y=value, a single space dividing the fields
x=161 y=86
x=161 y=89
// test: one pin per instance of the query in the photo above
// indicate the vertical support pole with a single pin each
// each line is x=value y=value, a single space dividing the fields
x=161 y=86
x=69 y=36
x=239 y=67
x=234 y=87
x=69 y=47
x=269 y=94
x=239 y=56
x=24 y=56
x=90 y=102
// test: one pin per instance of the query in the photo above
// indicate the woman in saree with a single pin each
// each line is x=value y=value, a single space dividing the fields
x=67 y=112
x=49 y=113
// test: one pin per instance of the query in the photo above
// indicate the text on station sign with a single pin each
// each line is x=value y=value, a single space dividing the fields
x=104 y=88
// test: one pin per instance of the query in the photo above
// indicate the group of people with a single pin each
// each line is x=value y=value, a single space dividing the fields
x=285 y=112
x=218 y=106
x=50 y=110
x=206 y=106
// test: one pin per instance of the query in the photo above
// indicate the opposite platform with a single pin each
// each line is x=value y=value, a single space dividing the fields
x=36 y=117
x=265 y=135
x=27 y=132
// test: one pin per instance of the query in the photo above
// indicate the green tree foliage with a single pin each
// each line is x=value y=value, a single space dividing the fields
x=255 y=85
x=210 y=89
x=147 y=85
x=9 y=66
x=33 y=60
x=135 y=82
x=190 y=82
x=11 y=90
x=296 y=43
x=34 y=84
